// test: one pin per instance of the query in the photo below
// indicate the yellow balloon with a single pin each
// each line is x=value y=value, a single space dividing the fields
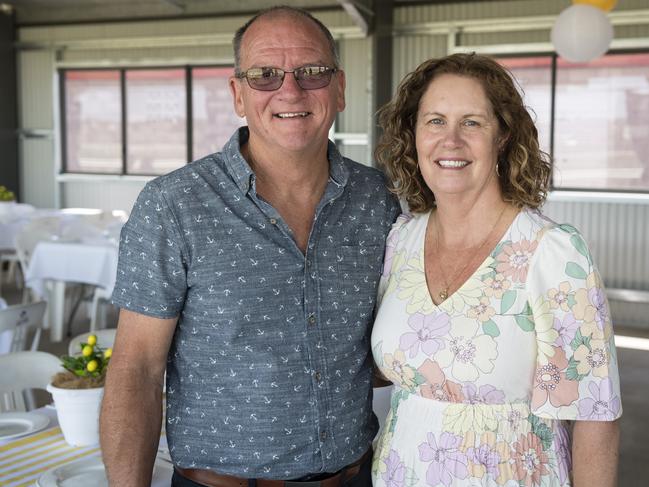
x=605 y=5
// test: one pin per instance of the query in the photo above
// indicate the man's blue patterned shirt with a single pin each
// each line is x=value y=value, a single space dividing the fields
x=269 y=372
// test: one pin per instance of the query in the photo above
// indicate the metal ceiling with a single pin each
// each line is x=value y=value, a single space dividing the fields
x=49 y=12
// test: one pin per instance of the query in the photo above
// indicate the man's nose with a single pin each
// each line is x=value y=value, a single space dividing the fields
x=290 y=86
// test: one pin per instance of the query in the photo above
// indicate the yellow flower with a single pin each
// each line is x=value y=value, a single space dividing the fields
x=595 y=359
x=108 y=353
x=559 y=297
x=397 y=370
x=482 y=311
x=87 y=351
x=496 y=286
x=462 y=418
x=413 y=288
x=92 y=366
x=92 y=340
x=546 y=335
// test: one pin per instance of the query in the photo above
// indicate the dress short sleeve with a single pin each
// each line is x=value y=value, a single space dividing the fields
x=391 y=253
x=151 y=272
x=576 y=376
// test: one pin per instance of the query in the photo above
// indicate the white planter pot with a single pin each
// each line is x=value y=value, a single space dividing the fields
x=78 y=413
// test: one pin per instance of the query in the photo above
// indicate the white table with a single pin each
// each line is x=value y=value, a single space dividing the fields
x=54 y=263
x=24 y=459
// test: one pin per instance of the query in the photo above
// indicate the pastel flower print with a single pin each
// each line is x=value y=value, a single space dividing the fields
x=483 y=460
x=496 y=286
x=462 y=418
x=395 y=471
x=447 y=461
x=546 y=335
x=514 y=259
x=428 y=330
x=603 y=405
x=436 y=385
x=530 y=462
x=413 y=288
x=559 y=297
x=467 y=354
x=564 y=455
x=598 y=299
x=583 y=308
x=593 y=359
x=482 y=311
x=550 y=382
x=566 y=330
x=396 y=369
x=486 y=394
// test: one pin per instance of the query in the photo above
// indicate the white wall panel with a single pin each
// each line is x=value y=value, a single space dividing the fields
x=36 y=89
x=37 y=174
x=105 y=195
x=355 y=59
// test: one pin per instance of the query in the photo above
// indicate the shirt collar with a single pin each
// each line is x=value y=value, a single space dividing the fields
x=243 y=175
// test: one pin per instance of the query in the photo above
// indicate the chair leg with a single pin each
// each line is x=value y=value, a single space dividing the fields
x=94 y=312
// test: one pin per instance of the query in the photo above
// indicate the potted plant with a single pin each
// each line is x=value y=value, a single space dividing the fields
x=78 y=392
x=6 y=195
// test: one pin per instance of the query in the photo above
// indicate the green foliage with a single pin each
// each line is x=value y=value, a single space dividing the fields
x=6 y=195
x=93 y=363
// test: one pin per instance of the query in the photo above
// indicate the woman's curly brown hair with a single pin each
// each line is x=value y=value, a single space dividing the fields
x=524 y=170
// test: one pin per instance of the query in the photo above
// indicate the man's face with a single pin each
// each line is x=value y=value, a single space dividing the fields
x=289 y=119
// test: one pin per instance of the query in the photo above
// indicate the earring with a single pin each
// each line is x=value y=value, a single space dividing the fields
x=497 y=169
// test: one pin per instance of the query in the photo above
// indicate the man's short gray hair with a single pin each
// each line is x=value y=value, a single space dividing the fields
x=238 y=35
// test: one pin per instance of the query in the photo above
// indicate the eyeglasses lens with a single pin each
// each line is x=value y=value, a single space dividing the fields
x=270 y=79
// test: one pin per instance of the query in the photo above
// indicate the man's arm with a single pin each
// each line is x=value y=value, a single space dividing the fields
x=131 y=412
x=595 y=449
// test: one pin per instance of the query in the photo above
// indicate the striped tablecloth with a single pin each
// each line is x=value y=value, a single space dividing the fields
x=24 y=460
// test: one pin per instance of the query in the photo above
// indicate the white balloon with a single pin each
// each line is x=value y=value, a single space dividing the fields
x=582 y=33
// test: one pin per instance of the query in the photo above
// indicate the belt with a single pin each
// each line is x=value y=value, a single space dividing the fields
x=213 y=479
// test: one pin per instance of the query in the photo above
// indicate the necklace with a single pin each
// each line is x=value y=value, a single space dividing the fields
x=443 y=294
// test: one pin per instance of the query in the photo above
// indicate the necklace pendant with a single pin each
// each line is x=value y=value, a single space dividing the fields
x=443 y=294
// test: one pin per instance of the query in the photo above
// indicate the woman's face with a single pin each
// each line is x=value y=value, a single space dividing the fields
x=457 y=138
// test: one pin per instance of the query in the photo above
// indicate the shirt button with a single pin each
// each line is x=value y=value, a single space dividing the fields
x=318 y=377
x=311 y=320
x=273 y=221
x=323 y=435
x=308 y=262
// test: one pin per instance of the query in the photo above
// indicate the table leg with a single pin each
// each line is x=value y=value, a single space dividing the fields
x=56 y=305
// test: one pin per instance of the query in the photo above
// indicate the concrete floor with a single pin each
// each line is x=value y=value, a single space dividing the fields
x=634 y=371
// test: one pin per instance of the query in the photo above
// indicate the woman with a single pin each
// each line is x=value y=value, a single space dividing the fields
x=492 y=322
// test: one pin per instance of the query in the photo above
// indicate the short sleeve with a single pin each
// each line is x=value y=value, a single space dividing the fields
x=151 y=271
x=392 y=253
x=576 y=376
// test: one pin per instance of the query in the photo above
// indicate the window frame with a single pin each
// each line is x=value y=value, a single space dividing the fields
x=188 y=71
x=553 y=87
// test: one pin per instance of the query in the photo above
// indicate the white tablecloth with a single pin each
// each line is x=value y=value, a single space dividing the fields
x=57 y=263
x=88 y=263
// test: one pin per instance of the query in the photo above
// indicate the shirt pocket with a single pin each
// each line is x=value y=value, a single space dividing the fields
x=359 y=270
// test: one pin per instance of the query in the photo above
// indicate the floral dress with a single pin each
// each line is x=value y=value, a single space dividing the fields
x=485 y=380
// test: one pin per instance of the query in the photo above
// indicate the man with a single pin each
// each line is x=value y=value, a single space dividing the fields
x=251 y=275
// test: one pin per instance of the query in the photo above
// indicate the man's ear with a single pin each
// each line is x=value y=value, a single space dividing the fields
x=237 y=96
x=340 y=79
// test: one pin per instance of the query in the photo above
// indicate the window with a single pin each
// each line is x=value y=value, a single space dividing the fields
x=213 y=110
x=144 y=121
x=93 y=139
x=601 y=118
x=602 y=123
x=156 y=121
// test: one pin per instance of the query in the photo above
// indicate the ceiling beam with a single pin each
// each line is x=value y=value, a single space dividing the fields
x=361 y=13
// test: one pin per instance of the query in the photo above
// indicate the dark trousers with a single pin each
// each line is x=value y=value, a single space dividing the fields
x=362 y=479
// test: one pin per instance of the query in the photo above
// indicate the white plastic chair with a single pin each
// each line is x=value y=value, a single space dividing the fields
x=23 y=371
x=105 y=339
x=19 y=321
x=39 y=229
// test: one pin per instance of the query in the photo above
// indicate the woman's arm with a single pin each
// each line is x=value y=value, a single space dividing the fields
x=595 y=449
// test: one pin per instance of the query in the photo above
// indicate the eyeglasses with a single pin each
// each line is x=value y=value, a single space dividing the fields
x=271 y=79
